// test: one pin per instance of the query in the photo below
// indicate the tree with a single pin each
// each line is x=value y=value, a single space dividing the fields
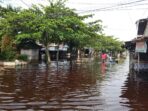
x=61 y=25
x=54 y=23
x=6 y=38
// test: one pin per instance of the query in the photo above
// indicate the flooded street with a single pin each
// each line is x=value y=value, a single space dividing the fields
x=77 y=87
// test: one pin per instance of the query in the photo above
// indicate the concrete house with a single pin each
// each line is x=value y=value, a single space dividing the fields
x=30 y=48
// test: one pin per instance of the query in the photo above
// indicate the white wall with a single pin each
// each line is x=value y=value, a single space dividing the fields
x=33 y=54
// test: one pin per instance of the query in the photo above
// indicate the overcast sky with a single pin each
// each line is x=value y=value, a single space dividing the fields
x=118 y=16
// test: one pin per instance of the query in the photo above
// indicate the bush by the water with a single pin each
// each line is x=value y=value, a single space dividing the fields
x=7 y=55
x=22 y=57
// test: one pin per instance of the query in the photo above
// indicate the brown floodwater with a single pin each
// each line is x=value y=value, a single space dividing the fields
x=88 y=86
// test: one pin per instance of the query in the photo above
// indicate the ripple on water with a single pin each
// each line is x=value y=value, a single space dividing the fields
x=12 y=107
x=80 y=87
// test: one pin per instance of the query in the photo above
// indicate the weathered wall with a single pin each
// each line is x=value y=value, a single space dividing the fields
x=33 y=54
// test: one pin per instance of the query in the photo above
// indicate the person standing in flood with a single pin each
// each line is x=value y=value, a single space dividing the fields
x=103 y=57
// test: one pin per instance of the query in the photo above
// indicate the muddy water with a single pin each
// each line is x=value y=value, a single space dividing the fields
x=78 y=87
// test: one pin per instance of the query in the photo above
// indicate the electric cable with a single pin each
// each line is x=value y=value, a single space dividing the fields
x=25 y=3
x=114 y=6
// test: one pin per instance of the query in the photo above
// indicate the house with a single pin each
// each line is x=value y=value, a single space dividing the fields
x=53 y=48
x=138 y=48
x=30 y=48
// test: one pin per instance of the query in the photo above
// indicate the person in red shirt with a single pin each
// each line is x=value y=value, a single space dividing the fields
x=104 y=57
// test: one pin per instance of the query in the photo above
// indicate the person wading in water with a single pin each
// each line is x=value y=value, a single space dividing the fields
x=104 y=57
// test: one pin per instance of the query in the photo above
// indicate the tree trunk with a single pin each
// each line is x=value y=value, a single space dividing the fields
x=47 y=55
x=57 y=57
x=79 y=54
x=57 y=53
x=46 y=47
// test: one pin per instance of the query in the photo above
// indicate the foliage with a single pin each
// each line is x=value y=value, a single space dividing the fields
x=111 y=44
x=6 y=43
x=7 y=49
x=8 y=9
x=7 y=55
x=54 y=23
x=28 y=44
x=107 y=43
x=22 y=57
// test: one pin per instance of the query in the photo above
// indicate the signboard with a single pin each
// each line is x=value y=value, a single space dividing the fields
x=141 y=47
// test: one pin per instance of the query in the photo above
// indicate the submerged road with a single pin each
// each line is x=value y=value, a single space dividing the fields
x=88 y=86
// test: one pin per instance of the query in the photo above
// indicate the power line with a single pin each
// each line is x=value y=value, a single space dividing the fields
x=83 y=3
x=91 y=3
x=117 y=9
x=131 y=7
x=127 y=7
x=114 y=6
x=25 y=3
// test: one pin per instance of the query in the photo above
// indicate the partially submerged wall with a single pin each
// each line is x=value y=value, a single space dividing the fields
x=33 y=54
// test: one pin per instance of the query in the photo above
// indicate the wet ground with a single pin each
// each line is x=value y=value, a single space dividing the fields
x=88 y=86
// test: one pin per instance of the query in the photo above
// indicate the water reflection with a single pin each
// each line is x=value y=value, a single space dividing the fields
x=135 y=93
x=80 y=87
x=103 y=68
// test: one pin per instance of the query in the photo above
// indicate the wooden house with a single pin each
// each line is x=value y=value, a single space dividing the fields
x=138 y=48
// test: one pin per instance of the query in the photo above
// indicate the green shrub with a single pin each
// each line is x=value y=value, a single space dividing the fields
x=22 y=57
x=7 y=55
x=2 y=56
